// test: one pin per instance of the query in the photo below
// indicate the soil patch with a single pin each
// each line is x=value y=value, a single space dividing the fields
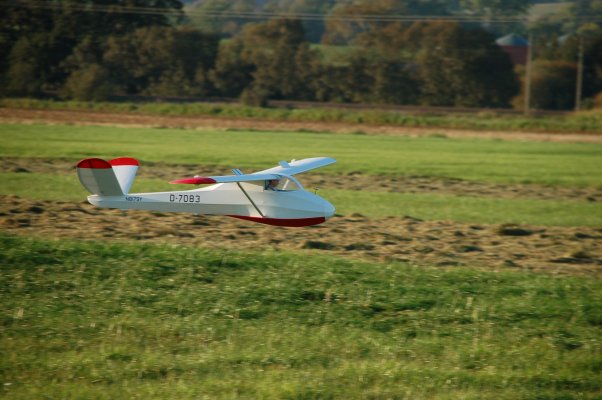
x=16 y=115
x=444 y=243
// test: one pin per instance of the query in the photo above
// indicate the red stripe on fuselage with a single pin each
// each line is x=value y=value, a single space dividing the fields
x=292 y=222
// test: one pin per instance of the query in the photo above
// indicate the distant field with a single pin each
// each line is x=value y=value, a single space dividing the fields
x=570 y=164
x=587 y=121
x=99 y=320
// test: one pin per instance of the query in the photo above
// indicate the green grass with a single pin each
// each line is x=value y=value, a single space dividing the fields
x=371 y=204
x=578 y=122
x=484 y=210
x=575 y=165
x=122 y=320
x=571 y=164
x=107 y=321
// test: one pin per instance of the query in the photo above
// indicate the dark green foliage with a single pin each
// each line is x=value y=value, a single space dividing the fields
x=434 y=63
x=29 y=67
x=206 y=13
x=90 y=56
x=231 y=74
x=569 y=50
x=280 y=58
x=161 y=61
x=346 y=22
x=592 y=60
x=461 y=67
x=495 y=8
x=394 y=83
x=552 y=85
x=555 y=52
x=39 y=38
x=90 y=83
x=19 y=22
x=347 y=83
x=255 y=96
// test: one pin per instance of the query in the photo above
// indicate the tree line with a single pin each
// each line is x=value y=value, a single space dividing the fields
x=81 y=52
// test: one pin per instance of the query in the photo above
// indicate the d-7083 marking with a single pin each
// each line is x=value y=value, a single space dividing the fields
x=184 y=198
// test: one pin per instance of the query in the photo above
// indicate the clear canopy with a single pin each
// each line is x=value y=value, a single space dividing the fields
x=284 y=184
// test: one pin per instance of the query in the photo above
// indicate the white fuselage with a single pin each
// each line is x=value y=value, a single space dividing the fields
x=225 y=199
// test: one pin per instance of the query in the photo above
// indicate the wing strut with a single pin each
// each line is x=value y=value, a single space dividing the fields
x=251 y=200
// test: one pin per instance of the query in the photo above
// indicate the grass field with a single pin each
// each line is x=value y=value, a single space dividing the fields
x=93 y=320
x=112 y=319
x=575 y=164
x=371 y=204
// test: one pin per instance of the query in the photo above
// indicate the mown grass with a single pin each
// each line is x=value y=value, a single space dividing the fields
x=578 y=122
x=347 y=202
x=571 y=164
x=97 y=320
x=485 y=210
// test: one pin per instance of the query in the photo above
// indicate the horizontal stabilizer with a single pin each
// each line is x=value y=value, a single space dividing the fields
x=107 y=178
x=98 y=177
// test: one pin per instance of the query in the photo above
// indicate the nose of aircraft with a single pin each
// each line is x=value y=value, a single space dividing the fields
x=328 y=210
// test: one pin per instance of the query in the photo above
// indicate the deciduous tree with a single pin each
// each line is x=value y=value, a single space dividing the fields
x=280 y=57
x=231 y=74
x=162 y=61
x=55 y=28
x=463 y=67
x=552 y=85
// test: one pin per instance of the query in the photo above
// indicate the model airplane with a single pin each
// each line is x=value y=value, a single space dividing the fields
x=272 y=196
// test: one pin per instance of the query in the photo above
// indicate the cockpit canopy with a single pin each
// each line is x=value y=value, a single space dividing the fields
x=284 y=184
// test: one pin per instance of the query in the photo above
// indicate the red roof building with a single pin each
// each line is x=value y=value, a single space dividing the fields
x=516 y=47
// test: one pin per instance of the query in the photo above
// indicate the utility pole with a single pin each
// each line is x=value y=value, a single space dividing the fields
x=579 y=75
x=528 y=75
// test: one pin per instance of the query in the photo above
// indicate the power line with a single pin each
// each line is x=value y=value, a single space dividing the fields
x=260 y=15
x=98 y=8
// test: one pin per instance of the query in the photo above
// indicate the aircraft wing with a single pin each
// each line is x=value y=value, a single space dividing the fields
x=285 y=168
x=208 y=180
x=299 y=166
